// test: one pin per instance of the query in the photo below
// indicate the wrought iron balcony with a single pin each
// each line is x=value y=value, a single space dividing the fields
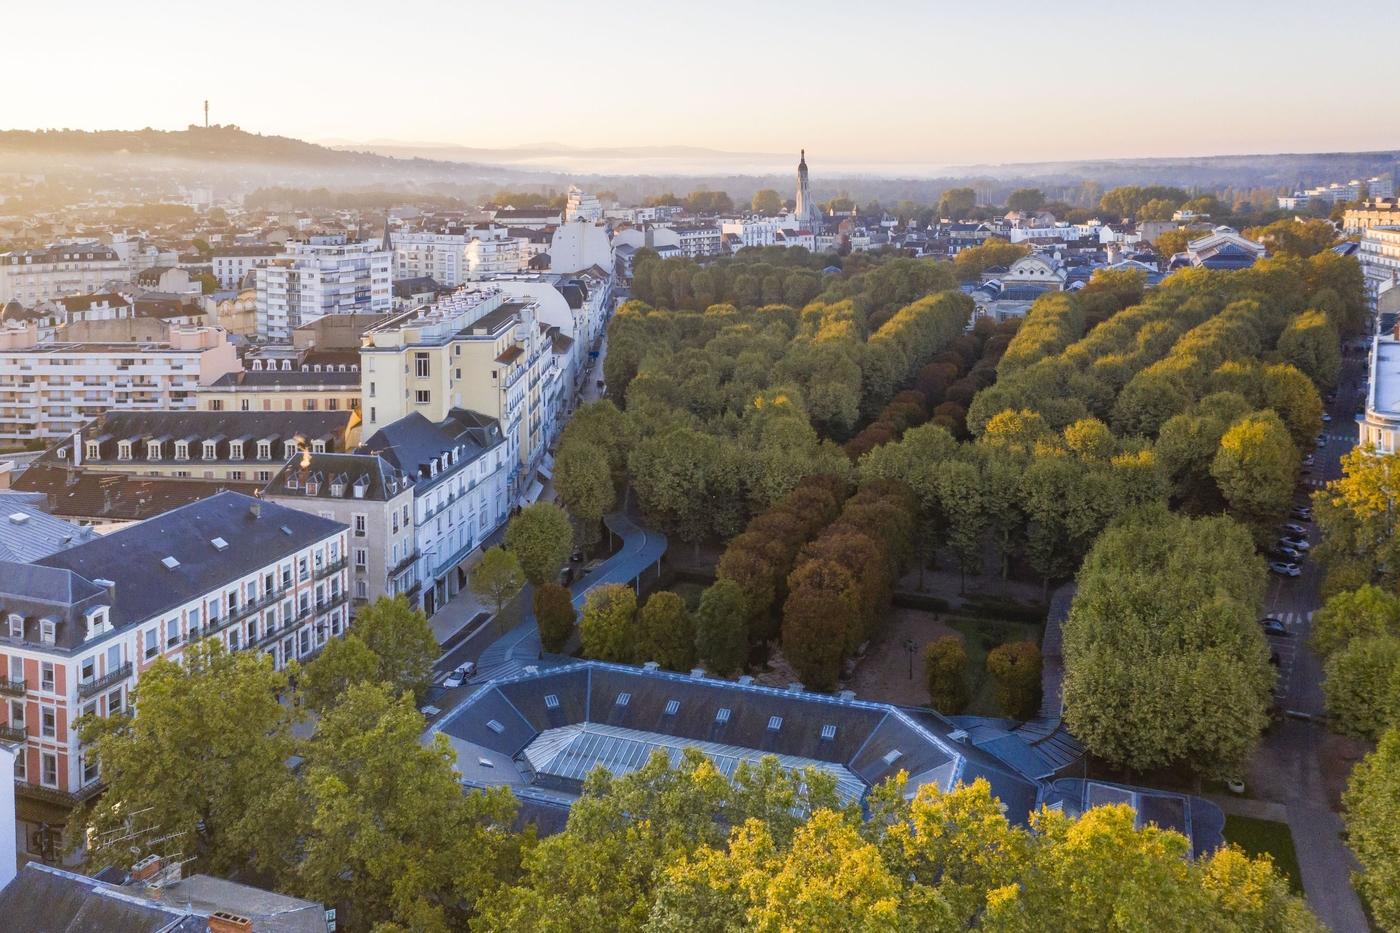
x=12 y=687
x=114 y=676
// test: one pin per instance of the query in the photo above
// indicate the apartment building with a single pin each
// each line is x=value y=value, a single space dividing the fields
x=1379 y=256
x=459 y=471
x=49 y=390
x=308 y=387
x=322 y=276
x=374 y=500
x=228 y=446
x=82 y=625
x=1376 y=212
x=32 y=276
x=453 y=255
x=472 y=350
x=230 y=264
x=582 y=206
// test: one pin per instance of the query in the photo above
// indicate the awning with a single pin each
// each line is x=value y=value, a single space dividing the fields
x=544 y=472
x=532 y=493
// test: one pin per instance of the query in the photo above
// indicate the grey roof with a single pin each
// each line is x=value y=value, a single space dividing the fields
x=338 y=476
x=198 y=426
x=132 y=557
x=413 y=441
x=28 y=533
x=44 y=899
x=276 y=378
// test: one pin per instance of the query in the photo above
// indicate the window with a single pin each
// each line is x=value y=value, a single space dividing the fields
x=48 y=722
x=495 y=726
x=360 y=522
x=332 y=404
x=93 y=450
x=182 y=450
x=235 y=450
x=49 y=769
x=17 y=714
x=775 y=723
x=264 y=450
x=235 y=474
x=361 y=558
x=194 y=620
x=233 y=639
x=210 y=449
x=828 y=732
x=47 y=631
x=114 y=702
x=90 y=772
x=87 y=670
x=361 y=589
x=152 y=644
x=722 y=715
x=308 y=404
x=421 y=367
x=172 y=633
x=551 y=701
x=16 y=626
x=422 y=396
x=46 y=676
x=371 y=392
x=216 y=404
x=372 y=416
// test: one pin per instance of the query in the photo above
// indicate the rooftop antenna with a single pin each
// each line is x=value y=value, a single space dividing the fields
x=206 y=114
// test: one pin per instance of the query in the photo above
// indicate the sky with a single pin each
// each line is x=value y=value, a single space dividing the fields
x=868 y=82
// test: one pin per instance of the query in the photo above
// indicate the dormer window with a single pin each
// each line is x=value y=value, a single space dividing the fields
x=97 y=622
x=94 y=450
x=318 y=446
x=124 y=450
x=48 y=631
x=235 y=450
x=286 y=366
x=289 y=449
x=17 y=626
x=182 y=450
x=210 y=450
x=264 y=450
x=153 y=450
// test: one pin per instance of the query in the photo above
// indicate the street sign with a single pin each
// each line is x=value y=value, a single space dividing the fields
x=330 y=920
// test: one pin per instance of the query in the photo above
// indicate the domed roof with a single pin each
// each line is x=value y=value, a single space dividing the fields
x=13 y=311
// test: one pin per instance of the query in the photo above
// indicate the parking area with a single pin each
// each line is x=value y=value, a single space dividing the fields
x=1285 y=648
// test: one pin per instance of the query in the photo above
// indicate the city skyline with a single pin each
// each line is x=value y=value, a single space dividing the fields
x=909 y=85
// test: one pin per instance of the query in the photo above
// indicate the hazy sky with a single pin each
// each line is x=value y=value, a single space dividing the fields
x=932 y=82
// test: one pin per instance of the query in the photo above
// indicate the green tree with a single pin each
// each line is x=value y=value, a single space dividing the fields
x=1311 y=343
x=384 y=828
x=540 y=537
x=1025 y=200
x=497 y=577
x=402 y=640
x=584 y=481
x=1372 y=799
x=608 y=629
x=721 y=628
x=1164 y=664
x=1359 y=684
x=957 y=203
x=1365 y=612
x=767 y=202
x=555 y=615
x=204 y=762
x=1015 y=668
x=1358 y=518
x=945 y=664
x=1255 y=468
x=341 y=664
x=666 y=632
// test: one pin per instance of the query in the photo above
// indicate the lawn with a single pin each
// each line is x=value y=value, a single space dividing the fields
x=981 y=635
x=1266 y=836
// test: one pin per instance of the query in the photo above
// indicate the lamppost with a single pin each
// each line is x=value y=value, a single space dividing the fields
x=911 y=646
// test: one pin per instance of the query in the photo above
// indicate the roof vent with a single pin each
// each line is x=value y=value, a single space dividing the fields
x=485 y=762
x=170 y=563
x=892 y=756
x=828 y=732
x=651 y=666
x=745 y=680
x=551 y=701
x=673 y=707
x=219 y=544
x=958 y=735
x=495 y=726
x=18 y=518
x=722 y=715
x=286 y=531
x=623 y=699
x=775 y=723
x=847 y=695
x=255 y=509
x=532 y=669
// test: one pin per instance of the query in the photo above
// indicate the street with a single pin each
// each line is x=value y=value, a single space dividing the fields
x=1297 y=764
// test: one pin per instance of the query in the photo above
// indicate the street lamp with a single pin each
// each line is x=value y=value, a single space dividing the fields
x=911 y=646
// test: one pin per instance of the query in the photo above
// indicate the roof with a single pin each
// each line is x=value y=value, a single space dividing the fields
x=338 y=476
x=45 y=899
x=277 y=378
x=28 y=533
x=413 y=442
x=131 y=557
x=198 y=426
x=117 y=496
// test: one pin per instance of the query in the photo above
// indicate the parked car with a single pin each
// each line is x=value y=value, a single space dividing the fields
x=1285 y=569
x=1303 y=512
x=1296 y=542
x=1293 y=528
x=1287 y=553
x=1309 y=460
x=1326 y=418
x=1321 y=440
x=1272 y=626
x=460 y=675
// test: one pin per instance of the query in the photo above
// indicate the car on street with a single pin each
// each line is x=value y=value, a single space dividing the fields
x=1272 y=626
x=1309 y=460
x=1285 y=569
x=1303 y=512
x=460 y=675
x=1287 y=553
x=1297 y=542
x=1293 y=528
x=1321 y=441
x=1326 y=418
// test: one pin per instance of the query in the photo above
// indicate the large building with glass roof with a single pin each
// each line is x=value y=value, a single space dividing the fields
x=543 y=731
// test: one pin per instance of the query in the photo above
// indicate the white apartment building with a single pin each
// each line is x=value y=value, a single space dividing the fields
x=473 y=350
x=324 y=275
x=82 y=625
x=1379 y=255
x=582 y=206
x=32 y=276
x=753 y=231
x=1380 y=426
x=231 y=264
x=452 y=256
x=50 y=390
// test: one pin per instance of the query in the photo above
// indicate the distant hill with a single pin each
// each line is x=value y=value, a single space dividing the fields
x=205 y=144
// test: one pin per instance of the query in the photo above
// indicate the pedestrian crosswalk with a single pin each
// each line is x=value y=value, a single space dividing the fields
x=1292 y=620
x=1315 y=482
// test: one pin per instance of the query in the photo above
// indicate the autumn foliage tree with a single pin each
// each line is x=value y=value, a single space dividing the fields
x=945 y=664
x=555 y=615
x=1015 y=669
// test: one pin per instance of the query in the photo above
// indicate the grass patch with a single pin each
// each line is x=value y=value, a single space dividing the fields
x=980 y=636
x=1259 y=837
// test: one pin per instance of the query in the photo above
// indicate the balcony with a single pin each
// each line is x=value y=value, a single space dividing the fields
x=328 y=569
x=14 y=688
x=13 y=734
x=61 y=797
x=93 y=687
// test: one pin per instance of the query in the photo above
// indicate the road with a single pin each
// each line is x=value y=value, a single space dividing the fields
x=1293 y=764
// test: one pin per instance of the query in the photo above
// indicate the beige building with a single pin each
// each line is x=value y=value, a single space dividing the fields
x=307 y=387
x=473 y=350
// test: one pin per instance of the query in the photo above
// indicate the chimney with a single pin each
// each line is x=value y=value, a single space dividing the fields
x=146 y=869
x=222 y=921
x=255 y=509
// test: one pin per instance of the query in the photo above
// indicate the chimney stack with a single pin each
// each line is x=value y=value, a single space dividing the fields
x=146 y=869
x=222 y=921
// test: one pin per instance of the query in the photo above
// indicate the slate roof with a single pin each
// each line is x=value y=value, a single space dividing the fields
x=375 y=479
x=197 y=426
x=117 y=496
x=131 y=557
x=28 y=533
x=412 y=442
x=277 y=378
